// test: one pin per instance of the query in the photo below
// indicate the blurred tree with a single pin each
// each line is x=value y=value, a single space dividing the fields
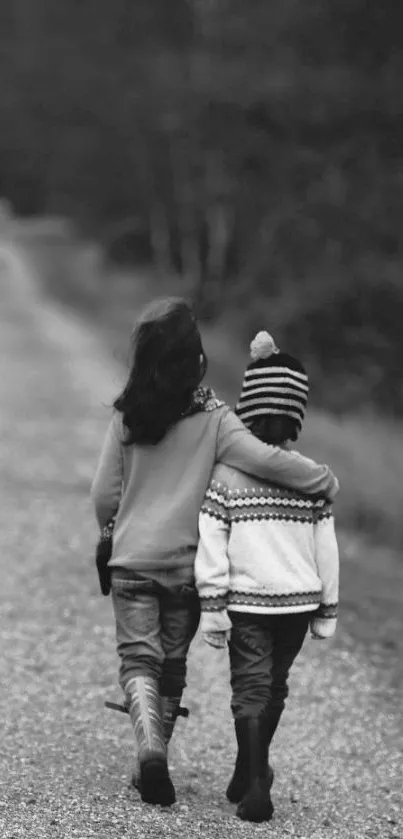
x=256 y=149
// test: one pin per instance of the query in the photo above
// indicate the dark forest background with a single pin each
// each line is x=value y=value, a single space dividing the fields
x=253 y=148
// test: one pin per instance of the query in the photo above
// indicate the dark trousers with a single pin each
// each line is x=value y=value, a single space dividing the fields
x=155 y=625
x=262 y=649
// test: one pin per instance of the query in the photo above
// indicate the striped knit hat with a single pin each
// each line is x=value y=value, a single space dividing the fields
x=274 y=383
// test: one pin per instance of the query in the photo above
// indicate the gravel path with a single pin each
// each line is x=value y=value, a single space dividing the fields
x=64 y=760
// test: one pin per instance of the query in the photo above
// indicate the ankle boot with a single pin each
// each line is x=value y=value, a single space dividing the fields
x=145 y=711
x=239 y=782
x=256 y=804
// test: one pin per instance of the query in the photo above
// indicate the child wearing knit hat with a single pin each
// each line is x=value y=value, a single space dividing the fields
x=267 y=569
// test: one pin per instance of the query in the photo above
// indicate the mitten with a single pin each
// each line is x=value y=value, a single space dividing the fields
x=103 y=554
x=215 y=628
x=322 y=628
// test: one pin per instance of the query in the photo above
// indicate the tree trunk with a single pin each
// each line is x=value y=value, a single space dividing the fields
x=160 y=238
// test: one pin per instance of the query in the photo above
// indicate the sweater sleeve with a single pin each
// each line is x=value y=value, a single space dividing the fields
x=237 y=447
x=212 y=563
x=327 y=560
x=106 y=487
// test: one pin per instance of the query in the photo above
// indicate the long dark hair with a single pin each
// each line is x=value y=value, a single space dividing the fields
x=168 y=364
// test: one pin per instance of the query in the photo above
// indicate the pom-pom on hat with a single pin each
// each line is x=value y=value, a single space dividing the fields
x=274 y=383
x=262 y=346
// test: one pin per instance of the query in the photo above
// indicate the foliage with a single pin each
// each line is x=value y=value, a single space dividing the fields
x=254 y=148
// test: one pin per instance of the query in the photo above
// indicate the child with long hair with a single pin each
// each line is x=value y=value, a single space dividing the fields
x=266 y=569
x=165 y=436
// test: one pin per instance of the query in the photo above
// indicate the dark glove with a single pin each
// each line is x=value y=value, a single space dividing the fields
x=103 y=554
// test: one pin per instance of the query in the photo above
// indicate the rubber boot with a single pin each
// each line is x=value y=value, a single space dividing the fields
x=238 y=784
x=256 y=804
x=171 y=710
x=145 y=711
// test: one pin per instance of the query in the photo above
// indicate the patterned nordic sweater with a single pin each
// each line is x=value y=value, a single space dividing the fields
x=265 y=549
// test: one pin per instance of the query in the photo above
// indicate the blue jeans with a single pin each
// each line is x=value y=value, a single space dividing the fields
x=155 y=625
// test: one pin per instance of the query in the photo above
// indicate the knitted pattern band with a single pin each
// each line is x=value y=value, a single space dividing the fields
x=274 y=383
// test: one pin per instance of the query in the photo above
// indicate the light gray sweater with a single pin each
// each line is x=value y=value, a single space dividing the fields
x=157 y=490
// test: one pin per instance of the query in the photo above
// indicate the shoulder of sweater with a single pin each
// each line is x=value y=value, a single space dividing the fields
x=205 y=399
x=239 y=483
x=231 y=480
x=225 y=476
x=212 y=412
x=321 y=505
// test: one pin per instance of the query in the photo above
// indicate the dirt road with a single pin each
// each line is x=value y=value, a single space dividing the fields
x=64 y=760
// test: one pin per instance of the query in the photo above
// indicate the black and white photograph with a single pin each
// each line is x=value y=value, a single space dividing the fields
x=201 y=419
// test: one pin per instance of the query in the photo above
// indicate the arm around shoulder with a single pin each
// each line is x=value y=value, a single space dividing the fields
x=237 y=447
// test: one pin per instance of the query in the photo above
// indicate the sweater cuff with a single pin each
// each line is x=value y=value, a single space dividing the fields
x=327 y=610
x=215 y=603
x=215 y=622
